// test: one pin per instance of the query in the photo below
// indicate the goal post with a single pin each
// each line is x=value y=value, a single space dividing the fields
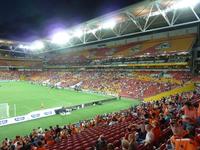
x=4 y=110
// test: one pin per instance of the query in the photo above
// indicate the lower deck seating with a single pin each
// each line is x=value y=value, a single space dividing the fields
x=117 y=127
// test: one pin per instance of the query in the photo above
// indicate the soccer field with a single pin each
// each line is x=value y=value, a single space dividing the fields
x=28 y=97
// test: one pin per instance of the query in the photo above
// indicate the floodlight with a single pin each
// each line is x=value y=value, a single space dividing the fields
x=186 y=3
x=60 y=37
x=78 y=33
x=37 y=45
x=21 y=46
x=110 y=24
x=93 y=31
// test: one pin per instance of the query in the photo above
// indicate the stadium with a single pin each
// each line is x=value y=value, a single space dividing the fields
x=127 y=80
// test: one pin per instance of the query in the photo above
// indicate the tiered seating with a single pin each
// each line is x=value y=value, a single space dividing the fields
x=127 y=50
x=137 y=85
x=196 y=79
x=115 y=83
x=20 y=62
x=9 y=75
x=140 y=89
x=158 y=47
x=172 y=45
x=158 y=77
x=182 y=76
x=87 y=138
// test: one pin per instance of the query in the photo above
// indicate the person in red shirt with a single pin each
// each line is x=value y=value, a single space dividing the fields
x=156 y=131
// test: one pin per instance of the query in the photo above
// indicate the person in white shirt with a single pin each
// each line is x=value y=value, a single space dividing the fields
x=149 y=136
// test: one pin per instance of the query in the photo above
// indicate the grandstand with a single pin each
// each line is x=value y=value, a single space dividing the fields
x=126 y=80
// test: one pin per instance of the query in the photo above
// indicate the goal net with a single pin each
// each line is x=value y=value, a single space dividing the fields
x=4 y=110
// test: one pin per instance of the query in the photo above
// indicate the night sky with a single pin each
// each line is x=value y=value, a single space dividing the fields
x=28 y=20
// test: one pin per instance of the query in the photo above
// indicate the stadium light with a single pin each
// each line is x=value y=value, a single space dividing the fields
x=78 y=33
x=37 y=45
x=61 y=37
x=21 y=46
x=185 y=3
x=110 y=24
x=93 y=31
x=181 y=4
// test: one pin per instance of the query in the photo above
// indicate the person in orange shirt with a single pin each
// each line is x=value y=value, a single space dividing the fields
x=47 y=134
x=178 y=131
x=50 y=142
x=186 y=144
x=153 y=119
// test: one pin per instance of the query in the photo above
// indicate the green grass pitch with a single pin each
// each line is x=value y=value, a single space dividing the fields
x=28 y=97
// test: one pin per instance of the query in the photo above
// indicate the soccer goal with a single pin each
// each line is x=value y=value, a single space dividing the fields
x=4 y=110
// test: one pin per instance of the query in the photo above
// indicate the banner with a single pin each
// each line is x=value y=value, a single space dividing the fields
x=31 y=116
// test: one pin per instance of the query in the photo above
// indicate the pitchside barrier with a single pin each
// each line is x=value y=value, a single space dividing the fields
x=9 y=80
x=50 y=112
x=31 y=116
x=81 y=106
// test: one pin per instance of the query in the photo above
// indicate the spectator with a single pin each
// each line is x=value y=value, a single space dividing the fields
x=149 y=112
x=156 y=131
x=41 y=146
x=141 y=132
x=190 y=115
x=132 y=142
x=149 y=136
x=110 y=146
x=101 y=143
x=125 y=144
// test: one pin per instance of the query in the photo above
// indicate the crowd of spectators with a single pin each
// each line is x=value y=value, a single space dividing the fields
x=9 y=75
x=126 y=84
x=108 y=82
x=181 y=113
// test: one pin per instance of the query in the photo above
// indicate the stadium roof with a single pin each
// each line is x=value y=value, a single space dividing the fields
x=146 y=16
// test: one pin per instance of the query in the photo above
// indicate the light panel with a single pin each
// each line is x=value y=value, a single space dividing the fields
x=36 y=45
x=110 y=24
x=78 y=33
x=61 y=37
x=185 y=3
x=22 y=46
